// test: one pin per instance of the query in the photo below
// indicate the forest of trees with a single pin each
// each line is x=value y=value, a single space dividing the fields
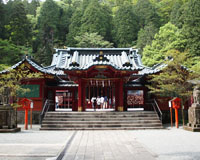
x=154 y=26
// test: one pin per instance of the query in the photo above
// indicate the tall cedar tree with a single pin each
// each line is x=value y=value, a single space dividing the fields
x=146 y=13
x=176 y=14
x=32 y=7
x=169 y=37
x=9 y=53
x=164 y=9
x=191 y=26
x=97 y=19
x=74 y=27
x=146 y=36
x=19 y=27
x=47 y=22
x=2 y=19
x=65 y=14
x=126 y=27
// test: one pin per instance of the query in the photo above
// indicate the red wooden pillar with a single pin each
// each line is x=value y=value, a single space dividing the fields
x=83 y=96
x=79 y=96
x=121 y=96
x=116 y=95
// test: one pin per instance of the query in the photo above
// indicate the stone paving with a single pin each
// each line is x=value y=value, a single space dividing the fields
x=166 y=144
x=106 y=145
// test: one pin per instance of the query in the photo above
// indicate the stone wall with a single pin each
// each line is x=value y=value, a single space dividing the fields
x=7 y=117
x=35 y=116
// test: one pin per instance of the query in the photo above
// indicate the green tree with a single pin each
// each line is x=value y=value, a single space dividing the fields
x=74 y=27
x=146 y=13
x=176 y=14
x=125 y=27
x=92 y=40
x=11 y=81
x=164 y=8
x=191 y=26
x=146 y=36
x=32 y=7
x=173 y=81
x=97 y=19
x=9 y=53
x=19 y=27
x=48 y=20
x=2 y=20
x=169 y=37
x=65 y=14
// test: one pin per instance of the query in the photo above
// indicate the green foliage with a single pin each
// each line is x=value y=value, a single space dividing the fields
x=19 y=28
x=12 y=80
x=92 y=40
x=2 y=19
x=146 y=36
x=74 y=28
x=169 y=37
x=96 y=19
x=48 y=20
x=65 y=14
x=173 y=81
x=164 y=8
x=177 y=14
x=146 y=13
x=191 y=26
x=9 y=53
x=125 y=27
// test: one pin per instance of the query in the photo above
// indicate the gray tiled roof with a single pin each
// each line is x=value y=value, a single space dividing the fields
x=151 y=70
x=47 y=70
x=84 y=58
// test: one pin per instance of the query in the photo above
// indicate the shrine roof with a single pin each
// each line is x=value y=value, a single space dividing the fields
x=152 y=70
x=46 y=70
x=84 y=58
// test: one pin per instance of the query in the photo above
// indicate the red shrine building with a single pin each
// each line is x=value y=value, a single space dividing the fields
x=76 y=75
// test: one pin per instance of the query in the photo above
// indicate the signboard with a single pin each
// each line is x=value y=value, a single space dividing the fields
x=34 y=91
x=135 y=97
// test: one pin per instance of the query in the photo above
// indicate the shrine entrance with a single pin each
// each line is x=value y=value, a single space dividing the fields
x=100 y=95
x=63 y=100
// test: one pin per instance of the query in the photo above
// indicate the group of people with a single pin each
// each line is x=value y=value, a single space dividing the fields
x=99 y=102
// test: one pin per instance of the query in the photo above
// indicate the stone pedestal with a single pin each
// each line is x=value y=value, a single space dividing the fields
x=194 y=118
x=8 y=119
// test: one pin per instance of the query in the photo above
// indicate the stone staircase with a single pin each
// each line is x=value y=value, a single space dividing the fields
x=101 y=120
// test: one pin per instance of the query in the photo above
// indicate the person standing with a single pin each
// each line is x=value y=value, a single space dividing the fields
x=102 y=102
x=105 y=102
x=92 y=100
x=98 y=102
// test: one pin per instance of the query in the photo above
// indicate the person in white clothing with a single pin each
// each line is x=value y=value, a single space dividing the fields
x=92 y=100
x=102 y=101
x=98 y=101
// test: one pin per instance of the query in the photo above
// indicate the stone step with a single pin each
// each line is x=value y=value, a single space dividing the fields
x=101 y=119
x=98 y=116
x=99 y=125
x=105 y=128
x=99 y=122
x=100 y=112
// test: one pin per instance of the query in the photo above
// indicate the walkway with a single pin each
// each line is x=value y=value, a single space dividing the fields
x=173 y=144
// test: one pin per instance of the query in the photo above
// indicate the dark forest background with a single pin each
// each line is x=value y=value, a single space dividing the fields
x=156 y=27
